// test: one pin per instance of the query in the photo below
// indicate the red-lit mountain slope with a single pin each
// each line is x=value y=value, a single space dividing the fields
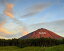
x=42 y=33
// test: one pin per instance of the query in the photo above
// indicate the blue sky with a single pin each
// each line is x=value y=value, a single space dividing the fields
x=27 y=13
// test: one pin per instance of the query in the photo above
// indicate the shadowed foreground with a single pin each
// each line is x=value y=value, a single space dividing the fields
x=14 y=48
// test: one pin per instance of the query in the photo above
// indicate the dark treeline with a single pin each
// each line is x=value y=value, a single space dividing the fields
x=44 y=42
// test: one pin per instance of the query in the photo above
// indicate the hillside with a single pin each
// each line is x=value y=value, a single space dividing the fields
x=14 y=48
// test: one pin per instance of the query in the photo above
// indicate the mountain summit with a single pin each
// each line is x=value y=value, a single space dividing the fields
x=42 y=33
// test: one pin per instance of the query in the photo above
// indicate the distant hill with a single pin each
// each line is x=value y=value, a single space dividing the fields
x=42 y=33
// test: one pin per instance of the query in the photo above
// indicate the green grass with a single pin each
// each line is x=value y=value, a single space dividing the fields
x=14 y=48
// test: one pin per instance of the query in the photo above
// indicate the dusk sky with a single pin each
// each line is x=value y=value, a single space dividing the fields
x=20 y=17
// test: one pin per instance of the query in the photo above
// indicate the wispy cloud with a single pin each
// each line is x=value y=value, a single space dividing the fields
x=35 y=9
x=5 y=30
x=8 y=11
x=8 y=6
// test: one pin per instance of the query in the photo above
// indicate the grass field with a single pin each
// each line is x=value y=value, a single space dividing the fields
x=14 y=48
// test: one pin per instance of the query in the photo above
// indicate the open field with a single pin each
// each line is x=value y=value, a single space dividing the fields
x=14 y=48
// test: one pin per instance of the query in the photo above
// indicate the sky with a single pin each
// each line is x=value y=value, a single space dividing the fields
x=20 y=17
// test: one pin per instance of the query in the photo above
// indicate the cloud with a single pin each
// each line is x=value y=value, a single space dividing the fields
x=6 y=1
x=13 y=31
x=1 y=37
x=35 y=9
x=5 y=30
x=10 y=36
x=8 y=7
x=8 y=11
x=2 y=2
x=2 y=20
x=7 y=34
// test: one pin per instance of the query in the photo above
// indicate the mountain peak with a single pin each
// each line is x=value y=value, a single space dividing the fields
x=42 y=32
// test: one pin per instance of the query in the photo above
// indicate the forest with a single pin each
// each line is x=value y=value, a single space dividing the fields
x=42 y=42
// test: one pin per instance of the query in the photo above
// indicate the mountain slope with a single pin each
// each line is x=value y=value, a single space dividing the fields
x=56 y=26
x=42 y=33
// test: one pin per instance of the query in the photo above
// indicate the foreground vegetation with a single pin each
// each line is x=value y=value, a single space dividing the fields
x=41 y=42
x=14 y=48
